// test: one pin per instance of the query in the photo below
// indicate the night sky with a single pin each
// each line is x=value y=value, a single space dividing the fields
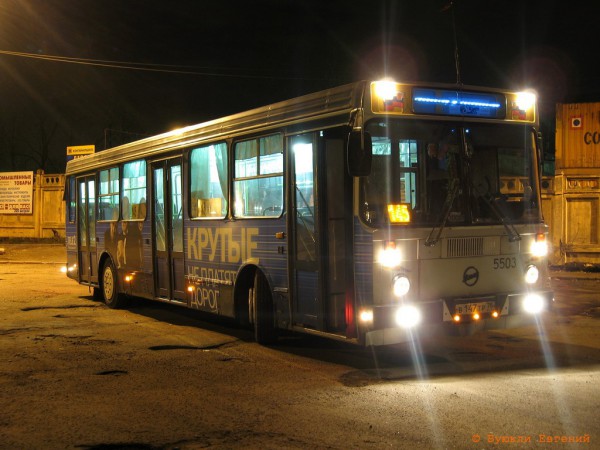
x=205 y=59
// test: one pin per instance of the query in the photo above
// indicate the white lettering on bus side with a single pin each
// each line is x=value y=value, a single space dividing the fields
x=205 y=297
x=219 y=244
x=71 y=242
x=207 y=283
x=208 y=275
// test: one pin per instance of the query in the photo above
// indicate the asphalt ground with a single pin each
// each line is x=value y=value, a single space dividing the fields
x=32 y=253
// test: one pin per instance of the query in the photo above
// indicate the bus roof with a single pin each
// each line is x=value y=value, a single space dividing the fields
x=332 y=107
x=338 y=101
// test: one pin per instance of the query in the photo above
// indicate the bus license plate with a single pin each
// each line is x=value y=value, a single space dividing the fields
x=470 y=308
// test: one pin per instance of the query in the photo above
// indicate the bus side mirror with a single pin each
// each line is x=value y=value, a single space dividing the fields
x=540 y=152
x=360 y=153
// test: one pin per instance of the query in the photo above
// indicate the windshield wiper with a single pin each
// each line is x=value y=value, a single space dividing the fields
x=492 y=202
x=452 y=192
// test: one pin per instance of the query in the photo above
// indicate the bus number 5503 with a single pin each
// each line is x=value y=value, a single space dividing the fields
x=510 y=262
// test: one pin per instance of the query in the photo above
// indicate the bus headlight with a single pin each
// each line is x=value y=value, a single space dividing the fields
x=390 y=255
x=401 y=285
x=532 y=274
x=408 y=316
x=534 y=304
x=539 y=247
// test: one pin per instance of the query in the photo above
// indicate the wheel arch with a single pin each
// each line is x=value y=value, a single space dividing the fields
x=244 y=281
x=105 y=256
x=118 y=298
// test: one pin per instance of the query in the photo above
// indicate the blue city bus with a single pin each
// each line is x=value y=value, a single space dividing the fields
x=366 y=213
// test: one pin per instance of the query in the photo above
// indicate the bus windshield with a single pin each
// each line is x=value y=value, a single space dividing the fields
x=451 y=173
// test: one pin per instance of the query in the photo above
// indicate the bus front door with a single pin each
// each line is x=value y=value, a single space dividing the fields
x=86 y=230
x=167 y=226
x=321 y=220
x=307 y=306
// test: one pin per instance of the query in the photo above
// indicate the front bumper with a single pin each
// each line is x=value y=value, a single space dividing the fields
x=438 y=318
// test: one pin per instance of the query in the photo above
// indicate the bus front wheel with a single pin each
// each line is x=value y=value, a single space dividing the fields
x=261 y=310
x=110 y=287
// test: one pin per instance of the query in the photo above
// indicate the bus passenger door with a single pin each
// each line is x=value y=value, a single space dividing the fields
x=167 y=226
x=305 y=257
x=86 y=229
x=321 y=222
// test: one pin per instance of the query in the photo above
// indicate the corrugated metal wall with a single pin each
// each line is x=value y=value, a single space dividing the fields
x=577 y=135
x=575 y=195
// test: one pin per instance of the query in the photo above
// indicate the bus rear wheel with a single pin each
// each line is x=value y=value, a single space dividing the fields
x=110 y=287
x=261 y=310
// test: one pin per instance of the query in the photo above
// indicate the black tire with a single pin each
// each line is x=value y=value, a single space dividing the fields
x=110 y=287
x=262 y=312
x=97 y=295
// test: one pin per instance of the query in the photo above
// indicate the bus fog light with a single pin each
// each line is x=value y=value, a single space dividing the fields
x=533 y=304
x=532 y=274
x=408 y=316
x=401 y=285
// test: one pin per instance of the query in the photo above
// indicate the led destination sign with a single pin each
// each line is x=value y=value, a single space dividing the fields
x=447 y=102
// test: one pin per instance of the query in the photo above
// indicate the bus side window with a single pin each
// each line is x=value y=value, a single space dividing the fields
x=134 y=190
x=108 y=195
x=208 y=181
x=258 y=178
x=139 y=210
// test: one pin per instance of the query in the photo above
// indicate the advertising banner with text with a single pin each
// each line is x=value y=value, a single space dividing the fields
x=16 y=192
